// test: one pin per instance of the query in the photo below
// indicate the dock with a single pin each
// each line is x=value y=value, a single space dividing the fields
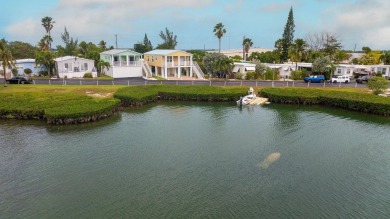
x=258 y=101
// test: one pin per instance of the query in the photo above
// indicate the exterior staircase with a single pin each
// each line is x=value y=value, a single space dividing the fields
x=146 y=70
x=197 y=70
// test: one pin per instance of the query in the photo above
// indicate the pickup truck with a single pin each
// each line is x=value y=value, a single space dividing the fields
x=315 y=78
x=339 y=79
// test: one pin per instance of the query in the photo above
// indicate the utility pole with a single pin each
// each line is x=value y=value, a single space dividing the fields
x=116 y=41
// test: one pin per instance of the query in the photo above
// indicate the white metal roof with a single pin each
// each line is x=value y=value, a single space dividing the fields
x=24 y=60
x=66 y=58
x=117 y=51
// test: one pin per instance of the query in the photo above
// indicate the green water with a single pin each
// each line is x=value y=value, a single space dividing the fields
x=199 y=160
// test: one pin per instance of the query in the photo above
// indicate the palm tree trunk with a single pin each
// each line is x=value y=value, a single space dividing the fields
x=219 y=45
x=5 y=77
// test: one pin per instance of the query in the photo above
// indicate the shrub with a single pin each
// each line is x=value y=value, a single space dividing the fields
x=349 y=100
x=27 y=71
x=88 y=75
x=377 y=84
x=298 y=75
x=14 y=71
x=239 y=76
x=378 y=74
x=43 y=73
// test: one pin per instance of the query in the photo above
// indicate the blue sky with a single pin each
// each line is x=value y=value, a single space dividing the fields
x=360 y=22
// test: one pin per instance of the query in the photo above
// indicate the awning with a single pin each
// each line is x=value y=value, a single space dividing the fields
x=236 y=69
x=286 y=68
x=250 y=68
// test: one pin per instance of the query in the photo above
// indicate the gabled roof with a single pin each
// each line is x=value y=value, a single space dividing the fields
x=66 y=58
x=118 y=51
x=164 y=52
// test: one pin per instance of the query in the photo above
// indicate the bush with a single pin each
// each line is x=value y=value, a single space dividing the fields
x=377 y=84
x=239 y=76
x=43 y=73
x=27 y=71
x=139 y=95
x=378 y=74
x=14 y=71
x=349 y=100
x=298 y=75
x=88 y=75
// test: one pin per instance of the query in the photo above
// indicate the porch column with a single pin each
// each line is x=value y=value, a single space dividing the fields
x=179 y=68
x=112 y=60
x=165 y=68
x=127 y=60
x=191 y=66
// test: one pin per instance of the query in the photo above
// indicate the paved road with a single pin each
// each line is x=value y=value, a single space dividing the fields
x=141 y=81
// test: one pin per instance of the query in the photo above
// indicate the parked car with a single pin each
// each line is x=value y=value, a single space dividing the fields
x=362 y=79
x=19 y=80
x=340 y=79
x=315 y=78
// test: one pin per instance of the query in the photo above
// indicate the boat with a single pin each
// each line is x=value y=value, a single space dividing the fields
x=246 y=100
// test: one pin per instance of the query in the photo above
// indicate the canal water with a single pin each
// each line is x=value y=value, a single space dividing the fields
x=199 y=160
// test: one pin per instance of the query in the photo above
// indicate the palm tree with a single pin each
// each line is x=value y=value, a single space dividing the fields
x=224 y=66
x=6 y=57
x=297 y=51
x=45 y=58
x=102 y=45
x=47 y=23
x=101 y=65
x=219 y=31
x=246 y=43
x=45 y=43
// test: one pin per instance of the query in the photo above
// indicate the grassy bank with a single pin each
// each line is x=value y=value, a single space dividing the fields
x=350 y=99
x=139 y=95
x=57 y=104
x=78 y=104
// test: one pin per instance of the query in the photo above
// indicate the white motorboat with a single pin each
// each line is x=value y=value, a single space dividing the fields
x=246 y=100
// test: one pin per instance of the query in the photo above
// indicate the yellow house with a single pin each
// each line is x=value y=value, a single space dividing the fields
x=170 y=63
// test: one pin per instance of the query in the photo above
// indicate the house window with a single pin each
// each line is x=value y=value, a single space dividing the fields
x=383 y=71
x=152 y=59
x=348 y=71
x=169 y=59
x=85 y=66
x=66 y=65
x=339 y=71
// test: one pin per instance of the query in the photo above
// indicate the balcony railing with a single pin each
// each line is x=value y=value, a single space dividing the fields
x=176 y=64
x=126 y=64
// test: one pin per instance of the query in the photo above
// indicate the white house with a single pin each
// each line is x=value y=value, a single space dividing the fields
x=384 y=69
x=74 y=67
x=243 y=67
x=124 y=63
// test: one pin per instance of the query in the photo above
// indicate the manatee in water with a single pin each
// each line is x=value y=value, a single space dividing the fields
x=269 y=160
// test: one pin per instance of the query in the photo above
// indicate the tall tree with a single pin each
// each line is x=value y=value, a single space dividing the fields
x=143 y=47
x=169 y=40
x=385 y=58
x=246 y=43
x=102 y=45
x=46 y=59
x=71 y=45
x=45 y=42
x=47 y=23
x=219 y=30
x=288 y=35
x=297 y=51
x=6 y=57
x=22 y=50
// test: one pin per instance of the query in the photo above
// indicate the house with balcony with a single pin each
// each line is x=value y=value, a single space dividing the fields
x=172 y=64
x=124 y=63
x=74 y=67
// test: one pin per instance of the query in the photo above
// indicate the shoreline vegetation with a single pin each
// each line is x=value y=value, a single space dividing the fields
x=61 y=105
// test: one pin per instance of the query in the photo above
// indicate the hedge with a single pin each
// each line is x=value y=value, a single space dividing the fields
x=350 y=100
x=139 y=95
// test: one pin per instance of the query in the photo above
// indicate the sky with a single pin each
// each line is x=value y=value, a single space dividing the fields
x=357 y=23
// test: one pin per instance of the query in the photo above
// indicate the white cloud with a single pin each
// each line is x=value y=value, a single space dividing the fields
x=94 y=20
x=363 y=22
